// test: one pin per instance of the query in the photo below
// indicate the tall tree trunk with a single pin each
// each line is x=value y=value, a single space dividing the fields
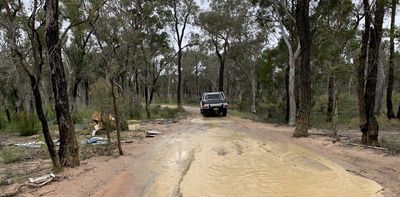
x=291 y=72
x=292 y=97
x=380 y=86
x=34 y=73
x=86 y=86
x=169 y=89
x=389 y=92
x=331 y=95
x=75 y=87
x=45 y=127
x=361 y=70
x=179 y=91
x=137 y=96
x=303 y=27
x=69 y=150
x=287 y=94
x=147 y=102
x=335 y=112
x=180 y=32
x=350 y=85
x=221 y=74
x=253 y=91
x=8 y=115
x=117 y=118
x=370 y=86
x=131 y=99
x=221 y=58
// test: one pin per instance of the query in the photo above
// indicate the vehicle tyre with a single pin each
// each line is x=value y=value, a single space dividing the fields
x=224 y=112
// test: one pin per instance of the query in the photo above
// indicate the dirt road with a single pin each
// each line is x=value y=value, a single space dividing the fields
x=230 y=156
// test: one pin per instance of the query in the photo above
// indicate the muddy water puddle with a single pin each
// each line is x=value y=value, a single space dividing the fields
x=223 y=162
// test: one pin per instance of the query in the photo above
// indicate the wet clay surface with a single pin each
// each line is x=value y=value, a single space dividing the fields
x=212 y=157
x=231 y=156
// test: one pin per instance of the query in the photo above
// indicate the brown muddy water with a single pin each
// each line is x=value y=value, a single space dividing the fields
x=209 y=157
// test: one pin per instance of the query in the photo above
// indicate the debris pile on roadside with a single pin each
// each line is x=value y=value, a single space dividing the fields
x=95 y=141
x=152 y=133
x=30 y=144
x=133 y=125
x=43 y=180
x=36 y=144
x=32 y=182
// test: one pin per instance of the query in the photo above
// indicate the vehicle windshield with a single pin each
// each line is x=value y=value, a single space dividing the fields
x=213 y=97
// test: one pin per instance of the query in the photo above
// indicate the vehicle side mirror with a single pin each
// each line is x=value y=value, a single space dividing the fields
x=199 y=99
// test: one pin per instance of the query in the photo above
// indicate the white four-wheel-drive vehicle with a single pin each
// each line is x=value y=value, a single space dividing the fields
x=213 y=103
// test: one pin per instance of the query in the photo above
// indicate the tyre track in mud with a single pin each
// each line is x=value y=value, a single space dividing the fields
x=220 y=158
x=186 y=167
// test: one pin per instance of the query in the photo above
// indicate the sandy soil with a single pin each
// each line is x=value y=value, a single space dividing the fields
x=230 y=156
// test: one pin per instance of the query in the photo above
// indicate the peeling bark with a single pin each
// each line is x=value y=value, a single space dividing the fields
x=69 y=150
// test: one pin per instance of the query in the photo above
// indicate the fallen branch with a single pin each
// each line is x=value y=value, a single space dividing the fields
x=18 y=189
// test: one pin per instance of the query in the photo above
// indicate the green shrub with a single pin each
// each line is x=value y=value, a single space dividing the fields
x=77 y=118
x=244 y=105
x=12 y=154
x=3 y=122
x=27 y=125
x=155 y=109
x=51 y=116
x=169 y=113
x=136 y=114
x=354 y=123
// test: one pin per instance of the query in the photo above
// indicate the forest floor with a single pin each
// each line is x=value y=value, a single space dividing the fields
x=225 y=156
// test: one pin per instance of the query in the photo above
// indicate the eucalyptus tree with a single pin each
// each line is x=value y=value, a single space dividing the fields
x=11 y=12
x=183 y=12
x=155 y=57
x=31 y=63
x=369 y=55
x=108 y=32
x=220 y=24
x=80 y=44
x=362 y=65
x=245 y=50
x=335 y=28
x=305 y=37
x=69 y=149
x=370 y=128
x=153 y=50
x=282 y=14
x=8 y=72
